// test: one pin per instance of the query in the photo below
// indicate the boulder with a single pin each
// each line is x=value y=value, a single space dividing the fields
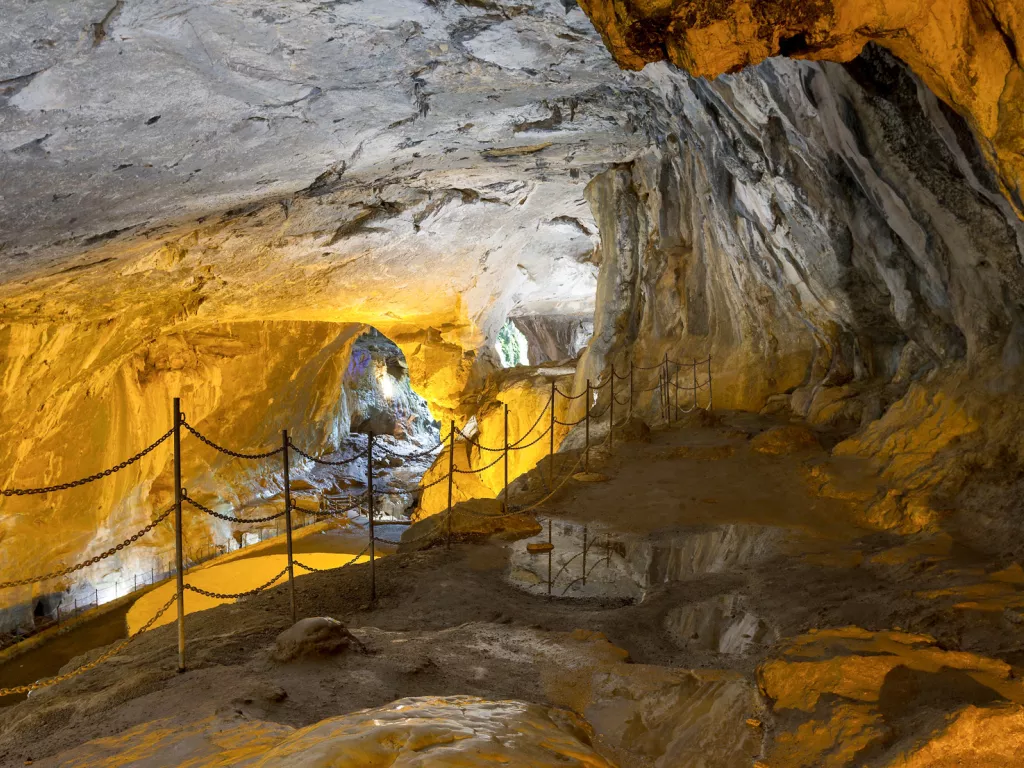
x=313 y=637
x=786 y=439
x=635 y=430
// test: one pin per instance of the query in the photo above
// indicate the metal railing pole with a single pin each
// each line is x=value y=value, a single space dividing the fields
x=584 y=555
x=451 y=481
x=178 y=557
x=369 y=494
x=675 y=408
x=551 y=448
x=611 y=411
x=709 y=383
x=631 y=389
x=586 y=448
x=695 y=382
x=288 y=524
x=505 y=502
x=551 y=548
x=665 y=395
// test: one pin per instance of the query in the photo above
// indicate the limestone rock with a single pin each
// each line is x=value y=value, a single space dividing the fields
x=474 y=519
x=635 y=430
x=443 y=731
x=939 y=41
x=313 y=637
x=782 y=440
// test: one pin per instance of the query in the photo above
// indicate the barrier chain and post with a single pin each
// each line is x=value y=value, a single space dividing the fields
x=181 y=495
x=586 y=448
x=369 y=498
x=695 y=382
x=551 y=449
x=674 y=396
x=709 y=383
x=611 y=412
x=631 y=388
x=504 y=506
x=288 y=524
x=178 y=557
x=451 y=479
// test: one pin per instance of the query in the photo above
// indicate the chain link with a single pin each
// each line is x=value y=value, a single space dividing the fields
x=91 y=478
x=47 y=682
x=536 y=440
x=478 y=470
x=229 y=452
x=335 y=568
x=315 y=460
x=92 y=560
x=229 y=518
x=235 y=596
x=418 y=455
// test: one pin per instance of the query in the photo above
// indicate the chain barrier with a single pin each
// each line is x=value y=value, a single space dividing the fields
x=315 y=460
x=230 y=518
x=335 y=568
x=92 y=560
x=236 y=454
x=426 y=452
x=511 y=446
x=570 y=397
x=235 y=596
x=478 y=470
x=533 y=442
x=90 y=478
x=48 y=681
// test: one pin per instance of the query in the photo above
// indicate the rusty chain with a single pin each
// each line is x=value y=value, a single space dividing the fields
x=532 y=443
x=47 y=682
x=235 y=596
x=236 y=454
x=229 y=518
x=92 y=560
x=335 y=568
x=315 y=460
x=418 y=455
x=91 y=478
x=458 y=471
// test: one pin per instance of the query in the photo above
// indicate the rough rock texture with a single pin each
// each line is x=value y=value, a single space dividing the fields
x=785 y=439
x=810 y=226
x=313 y=637
x=211 y=200
x=968 y=52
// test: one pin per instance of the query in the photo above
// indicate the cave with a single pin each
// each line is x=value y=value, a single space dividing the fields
x=611 y=383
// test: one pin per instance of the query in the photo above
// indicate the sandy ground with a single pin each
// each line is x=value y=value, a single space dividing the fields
x=731 y=557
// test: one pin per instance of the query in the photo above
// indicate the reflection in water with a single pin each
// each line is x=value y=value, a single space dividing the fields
x=582 y=562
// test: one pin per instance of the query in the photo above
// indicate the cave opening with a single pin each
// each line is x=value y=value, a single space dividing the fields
x=379 y=396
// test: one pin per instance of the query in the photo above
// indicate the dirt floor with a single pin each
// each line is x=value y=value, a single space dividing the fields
x=758 y=625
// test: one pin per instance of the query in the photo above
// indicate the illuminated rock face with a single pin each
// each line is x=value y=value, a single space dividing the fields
x=832 y=231
x=970 y=53
x=426 y=731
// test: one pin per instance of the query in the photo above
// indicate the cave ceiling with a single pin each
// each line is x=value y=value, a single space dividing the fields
x=406 y=163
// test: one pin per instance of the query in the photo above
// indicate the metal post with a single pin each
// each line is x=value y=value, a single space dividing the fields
x=611 y=411
x=135 y=588
x=451 y=480
x=369 y=493
x=584 y=555
x=695 y=382
x=551 y=449
x=675 y=410
x=551 y=548
x=505 y=503
x=586 y=449
x=288 y=523
x=631 y=389
x=709 y=383
x=178 y=554
x=665 y=393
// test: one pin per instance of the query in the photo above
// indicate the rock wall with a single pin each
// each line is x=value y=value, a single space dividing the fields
x=970 y=53
x=817 y=229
